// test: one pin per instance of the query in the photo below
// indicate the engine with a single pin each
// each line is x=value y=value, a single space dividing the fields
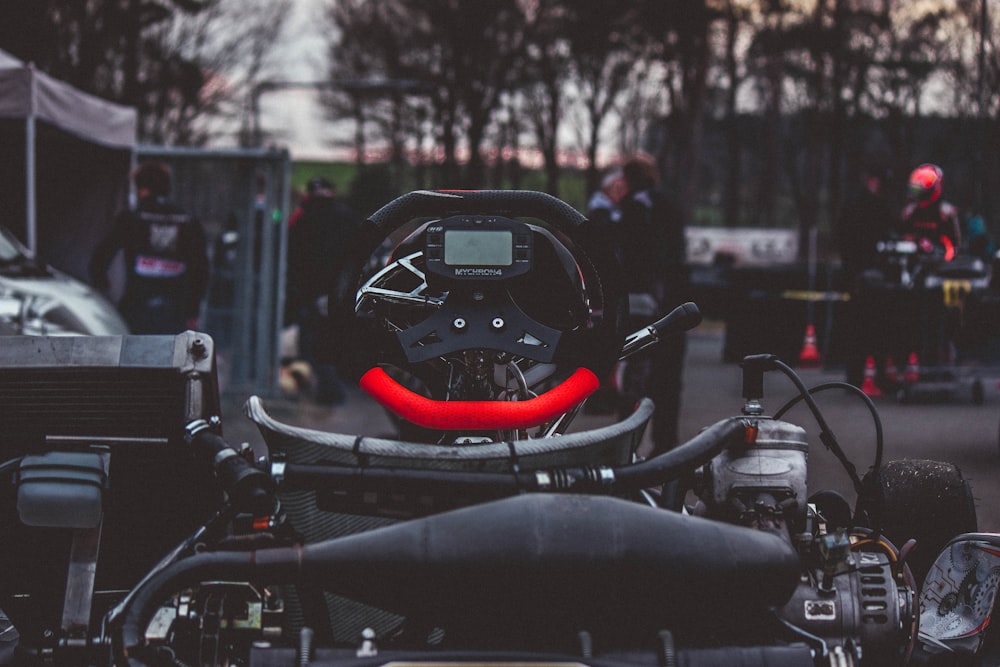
x=853 y=598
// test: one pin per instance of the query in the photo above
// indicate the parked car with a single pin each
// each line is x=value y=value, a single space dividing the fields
x=36 y=299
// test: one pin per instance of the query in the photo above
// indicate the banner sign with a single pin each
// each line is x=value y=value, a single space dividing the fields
x=743 y=246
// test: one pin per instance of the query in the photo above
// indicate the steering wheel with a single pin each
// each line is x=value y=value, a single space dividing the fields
x=477 y=285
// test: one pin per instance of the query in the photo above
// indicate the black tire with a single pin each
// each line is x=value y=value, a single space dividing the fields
x=929 y=501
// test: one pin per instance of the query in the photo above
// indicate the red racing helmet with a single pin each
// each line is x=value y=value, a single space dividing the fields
x=925 y=184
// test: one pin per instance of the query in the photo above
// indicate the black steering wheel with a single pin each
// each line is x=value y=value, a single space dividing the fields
x=565 y=307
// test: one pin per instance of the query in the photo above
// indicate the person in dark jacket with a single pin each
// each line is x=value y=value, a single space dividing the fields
x=603 y=213
x=166 y=259
x=653 y=251
x=865 y=219
x=319 y=230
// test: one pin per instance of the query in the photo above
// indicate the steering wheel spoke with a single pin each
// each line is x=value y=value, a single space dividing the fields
x=396 y=271
x=401 y=298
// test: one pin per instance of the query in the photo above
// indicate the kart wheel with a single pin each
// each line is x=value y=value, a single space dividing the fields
x=929 y=501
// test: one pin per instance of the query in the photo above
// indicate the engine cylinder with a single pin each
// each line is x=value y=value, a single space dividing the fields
x=771 y=470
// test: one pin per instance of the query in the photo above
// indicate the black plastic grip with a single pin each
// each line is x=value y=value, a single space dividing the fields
x=682 y=318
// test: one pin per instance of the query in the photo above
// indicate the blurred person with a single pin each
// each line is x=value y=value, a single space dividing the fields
x=603 y=212
x=166 y=258
x=319 y=230
x=865 y=219
x=603 y=206
x=653 y=252
x=979 y=242
x=934 y=223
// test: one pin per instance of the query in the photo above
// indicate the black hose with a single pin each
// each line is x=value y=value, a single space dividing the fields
x=876 y=418
x=685 y=457
x=826 y=436
x=654 y=471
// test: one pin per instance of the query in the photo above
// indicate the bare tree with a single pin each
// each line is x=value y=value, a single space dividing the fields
x=468 y=55
x=482 y=49
x=372 y=43
x=602 y=54
x=734 y=167
x=210 y=63
x=176 y=61
x=677 y=36
x=547 y=71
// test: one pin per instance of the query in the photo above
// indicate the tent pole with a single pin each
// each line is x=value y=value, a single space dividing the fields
x=31 y=235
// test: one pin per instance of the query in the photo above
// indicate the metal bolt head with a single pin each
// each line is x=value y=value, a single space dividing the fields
x=498 y=323
x=459 y=324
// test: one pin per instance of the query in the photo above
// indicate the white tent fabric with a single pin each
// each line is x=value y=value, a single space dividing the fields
x=68 y=156
x=25 y=92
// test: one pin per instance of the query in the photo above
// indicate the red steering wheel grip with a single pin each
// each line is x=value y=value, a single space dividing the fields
x=478 y=415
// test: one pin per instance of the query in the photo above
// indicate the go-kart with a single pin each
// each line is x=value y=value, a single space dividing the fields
x=495 y=534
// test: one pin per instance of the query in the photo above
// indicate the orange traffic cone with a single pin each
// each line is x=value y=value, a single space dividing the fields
x=868 y=386
x=809 y=357
x=891 y=372
x=912 y=373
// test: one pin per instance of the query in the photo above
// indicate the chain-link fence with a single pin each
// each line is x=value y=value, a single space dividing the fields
x=242 y=198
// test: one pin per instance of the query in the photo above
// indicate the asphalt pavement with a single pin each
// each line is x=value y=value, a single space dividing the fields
x=953 y=429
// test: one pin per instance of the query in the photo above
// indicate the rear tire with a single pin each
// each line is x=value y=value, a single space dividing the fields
x=929 y=501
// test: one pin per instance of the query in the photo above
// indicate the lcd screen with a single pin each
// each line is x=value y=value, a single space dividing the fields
x=478 y=248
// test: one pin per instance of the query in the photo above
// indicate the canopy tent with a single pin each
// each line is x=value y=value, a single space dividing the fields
x=66 y=160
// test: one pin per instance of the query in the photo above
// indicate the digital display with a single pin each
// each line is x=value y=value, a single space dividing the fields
x=477 y=248
x=463 y=247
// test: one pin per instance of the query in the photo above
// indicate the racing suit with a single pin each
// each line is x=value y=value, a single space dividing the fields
x=930 y=325
x=938 y=222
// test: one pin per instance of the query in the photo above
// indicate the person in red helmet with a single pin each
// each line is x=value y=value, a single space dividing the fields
x=927 y=217
x=934 y=224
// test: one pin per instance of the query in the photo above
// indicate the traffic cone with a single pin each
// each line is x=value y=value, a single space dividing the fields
x=912 y=373
x=891 y=372
x=809 y=357
x=868 y=386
